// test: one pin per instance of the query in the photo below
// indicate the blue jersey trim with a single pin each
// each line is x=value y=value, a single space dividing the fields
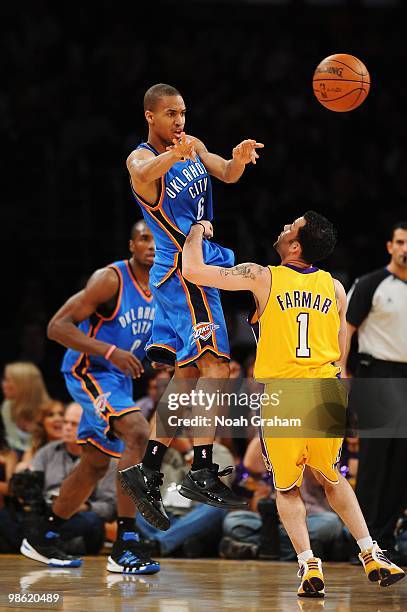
x=149 y=147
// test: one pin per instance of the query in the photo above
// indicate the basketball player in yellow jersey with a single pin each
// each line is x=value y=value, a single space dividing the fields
x=301 y=311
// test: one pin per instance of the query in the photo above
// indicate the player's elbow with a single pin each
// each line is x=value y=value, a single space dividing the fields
x=139 y=175
x=188 y=272
x=52 y=329
x=193 y=273
x=137 y=171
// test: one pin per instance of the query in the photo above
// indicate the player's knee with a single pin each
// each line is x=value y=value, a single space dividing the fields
x=290 y=494
x=326 y=484
x=134 y=429
x=213 y=367
x=94 y=462
x=328 y=488
x=137 y=436
x=318 y=476
x=100 y=470
x=333 y=486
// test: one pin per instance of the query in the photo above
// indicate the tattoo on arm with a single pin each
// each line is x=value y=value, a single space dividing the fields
x=246 y=270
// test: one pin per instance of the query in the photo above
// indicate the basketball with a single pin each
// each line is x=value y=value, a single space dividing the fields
x=341 y=82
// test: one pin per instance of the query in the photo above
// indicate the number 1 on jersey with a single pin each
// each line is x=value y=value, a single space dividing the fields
x=303 y=350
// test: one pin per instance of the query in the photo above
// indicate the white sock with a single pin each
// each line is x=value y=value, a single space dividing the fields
x=365 y=543
x=305 y=555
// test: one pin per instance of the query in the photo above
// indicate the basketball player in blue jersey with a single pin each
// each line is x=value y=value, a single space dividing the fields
x=105 y=327
x=170 y=180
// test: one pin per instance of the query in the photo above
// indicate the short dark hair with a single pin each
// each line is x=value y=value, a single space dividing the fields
x=400 y=225
x=156 y=92
x=317 y=237
x=138 y=226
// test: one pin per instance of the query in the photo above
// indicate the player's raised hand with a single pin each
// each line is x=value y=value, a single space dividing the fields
x=127 y=363
x=246 y=153
x=208 y=227
x=184 y=147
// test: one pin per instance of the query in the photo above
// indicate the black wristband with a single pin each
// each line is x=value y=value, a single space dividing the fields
x=202 y=225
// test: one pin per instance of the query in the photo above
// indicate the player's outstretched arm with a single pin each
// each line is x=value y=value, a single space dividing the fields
x=229 y=170
x=246 y=276
x=145 y=167
x=101 y=288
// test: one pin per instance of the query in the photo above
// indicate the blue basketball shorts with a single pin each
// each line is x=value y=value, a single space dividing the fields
x=188 y=323
x=102 y=395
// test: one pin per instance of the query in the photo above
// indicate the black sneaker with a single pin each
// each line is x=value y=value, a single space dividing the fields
x=205 y=486
x=129 y=556
x=47 y=548
x=143 y=486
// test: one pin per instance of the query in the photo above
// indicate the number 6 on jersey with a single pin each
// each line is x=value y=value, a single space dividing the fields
x=201 y=209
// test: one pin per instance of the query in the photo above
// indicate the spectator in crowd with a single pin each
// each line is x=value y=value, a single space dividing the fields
x=84 y=532
x=56 y=460
x=48 y=427
x=242 y=529
x=157 y=381
x=195 y=528
x=24 y=391
x=377 y=311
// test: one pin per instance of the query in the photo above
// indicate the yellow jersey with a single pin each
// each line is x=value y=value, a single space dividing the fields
x=298 y=335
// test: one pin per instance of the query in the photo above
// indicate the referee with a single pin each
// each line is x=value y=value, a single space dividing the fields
x=377 y=310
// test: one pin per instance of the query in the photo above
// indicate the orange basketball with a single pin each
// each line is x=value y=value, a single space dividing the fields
x=341 y=82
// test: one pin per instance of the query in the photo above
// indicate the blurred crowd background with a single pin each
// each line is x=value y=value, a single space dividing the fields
x=71 y=112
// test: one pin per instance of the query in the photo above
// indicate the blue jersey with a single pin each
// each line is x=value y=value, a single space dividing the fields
x=129 y=327
x=185 y=197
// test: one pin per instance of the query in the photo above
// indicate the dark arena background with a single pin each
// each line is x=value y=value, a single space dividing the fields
x=74 y=76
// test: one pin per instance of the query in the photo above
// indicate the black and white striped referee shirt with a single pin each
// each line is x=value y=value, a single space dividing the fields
x=377 y=306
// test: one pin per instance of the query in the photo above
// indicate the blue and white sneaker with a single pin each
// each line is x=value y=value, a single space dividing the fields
x=129 y=556
x=47 y=548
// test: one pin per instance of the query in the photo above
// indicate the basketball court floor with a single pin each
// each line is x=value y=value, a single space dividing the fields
x=185 y=585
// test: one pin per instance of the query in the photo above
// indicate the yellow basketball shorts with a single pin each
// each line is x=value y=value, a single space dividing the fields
x=305 y=427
